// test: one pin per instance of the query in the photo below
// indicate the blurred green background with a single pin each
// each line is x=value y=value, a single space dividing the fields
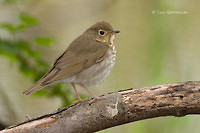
x=155 y=46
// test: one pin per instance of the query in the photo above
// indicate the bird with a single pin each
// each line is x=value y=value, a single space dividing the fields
x=86 y=62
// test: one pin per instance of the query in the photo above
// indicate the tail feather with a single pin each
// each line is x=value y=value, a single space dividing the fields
x=43 y=82
x=33 y=89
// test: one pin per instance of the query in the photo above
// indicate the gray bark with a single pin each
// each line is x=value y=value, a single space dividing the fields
x=175 y=99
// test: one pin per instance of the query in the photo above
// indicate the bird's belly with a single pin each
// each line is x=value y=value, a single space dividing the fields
x=95 y=74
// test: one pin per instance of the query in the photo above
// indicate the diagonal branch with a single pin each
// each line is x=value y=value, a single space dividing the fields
x=175 y=99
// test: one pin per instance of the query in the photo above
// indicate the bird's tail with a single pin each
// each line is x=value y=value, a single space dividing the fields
x=43 y=82
x=33 y=89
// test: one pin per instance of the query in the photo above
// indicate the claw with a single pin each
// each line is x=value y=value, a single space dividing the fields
x=80 y=100
x=95 y=98
x=77 y=101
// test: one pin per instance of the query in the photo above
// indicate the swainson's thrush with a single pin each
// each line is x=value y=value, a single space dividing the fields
x=87 y=61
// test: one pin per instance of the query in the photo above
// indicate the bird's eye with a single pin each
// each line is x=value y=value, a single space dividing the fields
x=101 y=32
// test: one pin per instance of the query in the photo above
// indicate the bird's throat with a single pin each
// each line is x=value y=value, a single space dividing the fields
x=112 y=39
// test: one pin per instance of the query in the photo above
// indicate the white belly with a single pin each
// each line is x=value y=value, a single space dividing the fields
x=95 y=74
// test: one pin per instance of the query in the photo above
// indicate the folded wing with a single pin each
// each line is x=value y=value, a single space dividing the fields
x=71 y=62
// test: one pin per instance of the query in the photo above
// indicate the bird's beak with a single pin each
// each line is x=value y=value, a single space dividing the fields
x=115 y=31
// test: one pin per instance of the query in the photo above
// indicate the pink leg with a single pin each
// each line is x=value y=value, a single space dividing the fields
x=78 y=97
x=94 y=96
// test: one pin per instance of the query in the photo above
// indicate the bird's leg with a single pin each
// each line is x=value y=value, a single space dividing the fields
x=78 y=97
x=94 y=96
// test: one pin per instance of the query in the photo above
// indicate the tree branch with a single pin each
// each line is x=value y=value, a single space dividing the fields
x=176 y=99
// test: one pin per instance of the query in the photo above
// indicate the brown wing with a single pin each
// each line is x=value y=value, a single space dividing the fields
x=76 y=58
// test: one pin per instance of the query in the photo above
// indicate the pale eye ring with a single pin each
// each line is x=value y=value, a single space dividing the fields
x=101 y=32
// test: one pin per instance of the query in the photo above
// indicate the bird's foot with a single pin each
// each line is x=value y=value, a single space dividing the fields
x=78 y=100
x=95 y=98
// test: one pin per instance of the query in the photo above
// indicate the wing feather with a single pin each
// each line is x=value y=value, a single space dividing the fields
x=76 y=58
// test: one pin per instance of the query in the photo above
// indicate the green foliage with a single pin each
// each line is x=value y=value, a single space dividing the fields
x=43 y=40
x=13 y=1
x=9 y=27
x=25 y=21
x=21 y=51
